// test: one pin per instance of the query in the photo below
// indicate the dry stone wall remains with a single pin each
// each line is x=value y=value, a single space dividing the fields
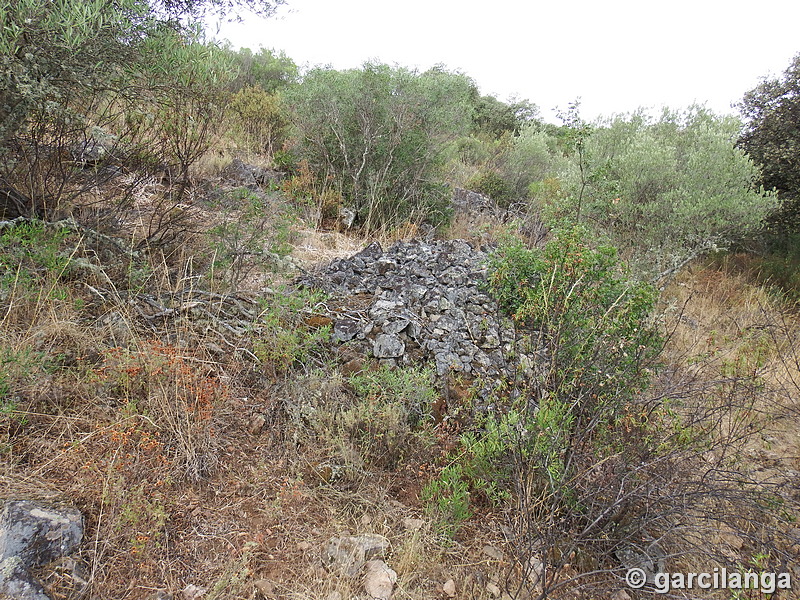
x=421 y=301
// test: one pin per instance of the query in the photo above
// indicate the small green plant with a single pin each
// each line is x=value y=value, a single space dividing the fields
x=447 y=498
x=32 y=262
x=485 y=459
x=142 y=511
x=411 y=386
x=19 y=367
x=286 y=335
x=251 y=238
x=388 y=417
x=381 y=419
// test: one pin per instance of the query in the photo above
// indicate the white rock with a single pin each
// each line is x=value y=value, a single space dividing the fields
x=349 y=553
x=193 y=592
x=449 y=588
x=379 y=580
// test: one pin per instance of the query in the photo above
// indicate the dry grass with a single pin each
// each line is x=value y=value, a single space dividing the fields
x=733 y=345
x=314 y=247
x=148 y=427
x=151 y=435
x=723 y=325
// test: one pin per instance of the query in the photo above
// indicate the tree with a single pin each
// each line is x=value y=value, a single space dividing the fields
x=666 y=190
x=494 y=117
x=379 y=133
x=259 y=118
x=772 y=138
x=266 y=69
x=69 y=69
x=533 y=157
x=194 y=9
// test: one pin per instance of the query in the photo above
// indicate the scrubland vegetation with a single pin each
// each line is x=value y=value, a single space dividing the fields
x=158 y=370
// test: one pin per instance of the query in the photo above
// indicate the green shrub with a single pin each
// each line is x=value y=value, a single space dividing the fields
x=250 y=239
x=382 y=420
x=387 y=419
x=259 y=120
x=380 y=133
x=589 y=327
x=34 y=264
x=591 y=316
x=285 y=339
x=662 y=191
x=491 y=184
x=447 y=498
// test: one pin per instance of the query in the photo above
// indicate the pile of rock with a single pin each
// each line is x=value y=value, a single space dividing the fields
x=421 y=300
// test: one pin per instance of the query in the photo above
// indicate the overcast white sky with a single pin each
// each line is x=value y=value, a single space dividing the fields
x=616 y=55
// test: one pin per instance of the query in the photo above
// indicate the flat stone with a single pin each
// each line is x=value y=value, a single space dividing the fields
x=493 y=552
x=265 y=587
x=350 y=553
x=413 y=524
x=345 y=330
x=395 y=327
x=388 y=346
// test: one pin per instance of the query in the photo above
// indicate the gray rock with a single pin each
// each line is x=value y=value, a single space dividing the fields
x=32 y=535
x=371 y=252
x=97 y=147
x=347 y=216
x=350 y=553
x=346 y=329
x=647 y=557
x=38 y=534
x=395 y=327
x=388 y=346
x=427 y=304
x=17 y=584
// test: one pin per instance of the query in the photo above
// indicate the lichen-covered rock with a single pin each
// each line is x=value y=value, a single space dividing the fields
x=388 y=346
x=38 y=534
x=31 y=535
x=17 y=583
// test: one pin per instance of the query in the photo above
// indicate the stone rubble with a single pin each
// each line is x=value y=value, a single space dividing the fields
x=417 y=301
